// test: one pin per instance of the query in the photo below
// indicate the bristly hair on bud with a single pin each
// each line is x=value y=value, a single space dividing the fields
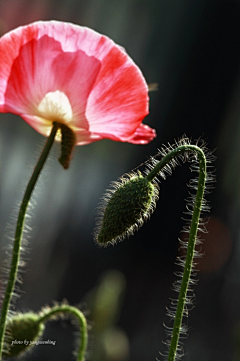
x=125 y=207
x=22 y=331
x=133 y=199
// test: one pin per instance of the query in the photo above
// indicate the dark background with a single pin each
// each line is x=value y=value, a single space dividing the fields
x=192 y=50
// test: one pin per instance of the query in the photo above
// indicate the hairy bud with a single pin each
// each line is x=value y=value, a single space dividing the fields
x=125 y=208
x=22 y=332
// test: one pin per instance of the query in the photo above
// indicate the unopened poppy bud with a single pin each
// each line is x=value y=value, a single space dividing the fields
x=125 y=208
x=67 y=145
x=22 y=333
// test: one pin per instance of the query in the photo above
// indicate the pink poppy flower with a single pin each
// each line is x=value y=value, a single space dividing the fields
x=56 y=71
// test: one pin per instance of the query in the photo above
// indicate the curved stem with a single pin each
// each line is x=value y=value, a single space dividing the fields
x=192 y=236
x=82 y=321
x=19 y=232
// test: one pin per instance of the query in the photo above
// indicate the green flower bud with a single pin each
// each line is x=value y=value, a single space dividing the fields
x=125 y=208
x=21 y=332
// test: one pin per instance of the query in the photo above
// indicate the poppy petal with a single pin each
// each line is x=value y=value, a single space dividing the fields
x=46 y=66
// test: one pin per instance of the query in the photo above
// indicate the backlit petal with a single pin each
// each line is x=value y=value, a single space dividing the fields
x=119 y=98
x=103 y=94
x=143 y=135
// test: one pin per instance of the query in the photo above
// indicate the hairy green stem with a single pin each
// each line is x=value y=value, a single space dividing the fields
x=192 y=236
x=19 y=232
x=61 y=309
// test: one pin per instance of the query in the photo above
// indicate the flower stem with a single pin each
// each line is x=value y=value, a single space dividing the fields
x=61 y=309
x=19 y=232
x=192 y=236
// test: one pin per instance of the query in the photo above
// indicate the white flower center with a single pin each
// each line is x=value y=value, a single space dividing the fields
x=55 y=106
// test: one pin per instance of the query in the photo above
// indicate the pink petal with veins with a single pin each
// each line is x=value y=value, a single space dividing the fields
x=106 y=93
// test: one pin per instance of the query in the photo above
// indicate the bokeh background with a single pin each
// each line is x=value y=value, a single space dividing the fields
x=192 y=50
